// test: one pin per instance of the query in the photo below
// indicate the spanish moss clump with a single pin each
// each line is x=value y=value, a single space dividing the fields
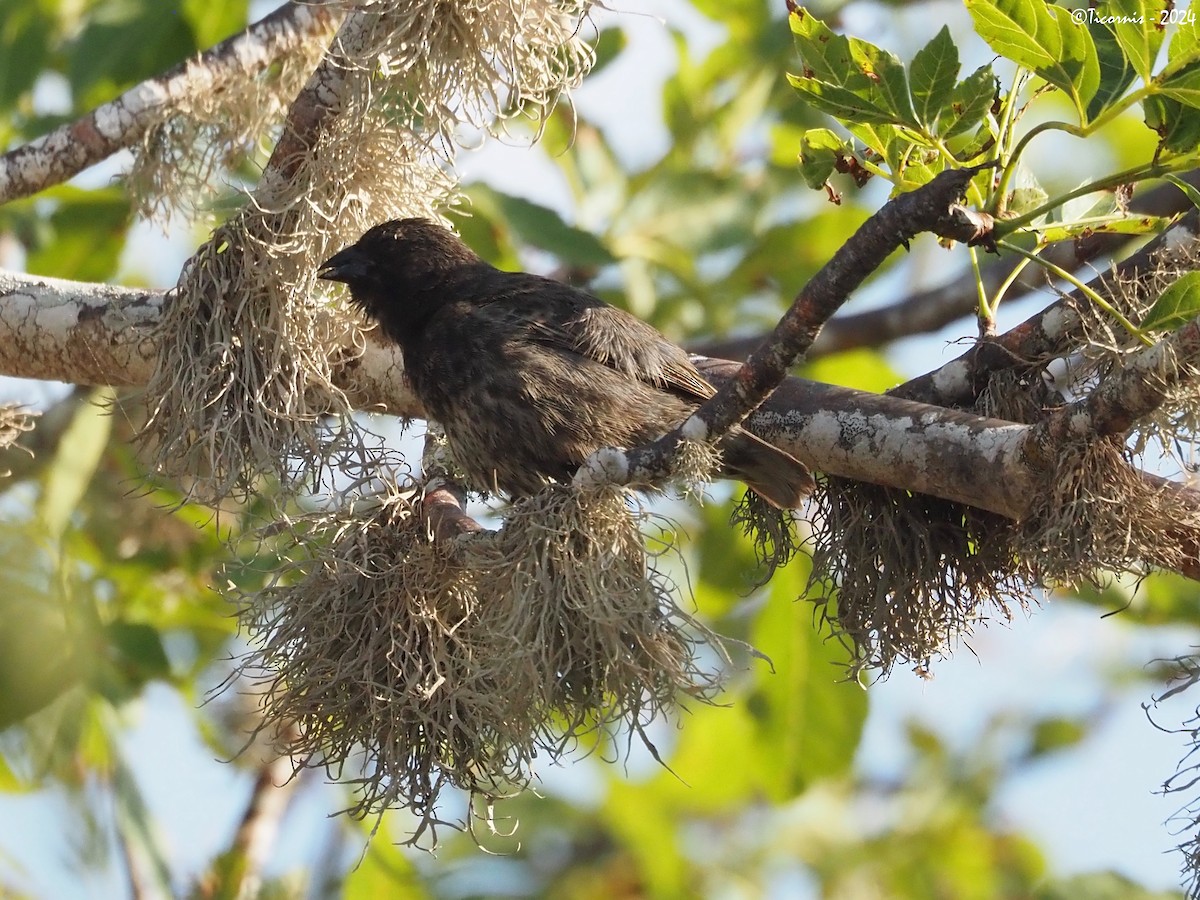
x=773 y=531
x=15 y=420
x=457 y=664
x=574 y=599
x=913 y=574
x=245 y=378
x=1095 y=513
x=1184 y=674
x=204 y=137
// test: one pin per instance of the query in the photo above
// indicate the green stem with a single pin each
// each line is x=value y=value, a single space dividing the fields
x=1128 y=176
x=1066 y=276
x=1012 y=276
x=1079 y=131
x=985 y=310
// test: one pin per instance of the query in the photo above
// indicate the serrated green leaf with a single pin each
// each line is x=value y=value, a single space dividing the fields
x=969 y=103
x=849 y=78
x=933 y=74
x=841 y=103
x=1116 y=73
x=1184 y=48
x=1176 y=306
x=1177 y=125
x=1045 y=39
x=1183 y=86
x=75 y=461
x=1135 y=25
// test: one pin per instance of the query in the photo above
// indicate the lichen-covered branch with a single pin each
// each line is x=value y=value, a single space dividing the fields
x=96 y=334
x=121 y=123
x=1131 y=392
x=1054 y=331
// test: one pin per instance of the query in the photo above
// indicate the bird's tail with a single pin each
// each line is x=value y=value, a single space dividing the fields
x=773 y=474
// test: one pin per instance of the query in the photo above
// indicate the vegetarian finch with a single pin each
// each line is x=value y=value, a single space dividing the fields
x=529 y=376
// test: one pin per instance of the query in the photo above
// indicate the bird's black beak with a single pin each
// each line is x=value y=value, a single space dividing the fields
x=347 y=266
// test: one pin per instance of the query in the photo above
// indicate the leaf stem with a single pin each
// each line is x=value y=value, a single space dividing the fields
x=1063 y=274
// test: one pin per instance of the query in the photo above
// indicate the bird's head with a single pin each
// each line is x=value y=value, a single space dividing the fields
x=399 y=272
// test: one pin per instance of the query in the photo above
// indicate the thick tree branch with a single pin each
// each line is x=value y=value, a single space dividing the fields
x=96 y=334
x=71 y=148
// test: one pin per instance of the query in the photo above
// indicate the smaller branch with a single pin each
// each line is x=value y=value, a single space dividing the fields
x=1130 y=393
x=929 y=310
x=932 y=207
x=1052 y=332
x=444 y=501
x=69 y=149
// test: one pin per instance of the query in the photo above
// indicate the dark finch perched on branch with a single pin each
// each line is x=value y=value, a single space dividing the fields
x=529 y=376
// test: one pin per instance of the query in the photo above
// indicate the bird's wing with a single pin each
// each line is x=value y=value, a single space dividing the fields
x=573 y=321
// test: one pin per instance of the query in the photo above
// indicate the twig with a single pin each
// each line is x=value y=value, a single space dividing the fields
x=71 y=148
x=1129 y=393
x=929 y=310
x=1052 y=332
x=929 y=208
x=443 y=502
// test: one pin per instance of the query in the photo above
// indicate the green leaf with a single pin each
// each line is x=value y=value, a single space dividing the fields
x=1184 y=48
x=1177 y=125
x=75 y=461
x=1122 y=224
x=1183 y=86
x=1136 y=28
x=38 y=661
x=849 y=78
x=1042 y=38
x=1024 y=199
x=138 y=652
x=969 y=103
x=125 y=42
x=841 y=103
x=1054 y=734
x=541 y=227
x=933 y=73
x=808 y=713
x=608 y=46
x=1116 y=74
x=1176 y=306
x=820 y=150
x=1189 y=190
